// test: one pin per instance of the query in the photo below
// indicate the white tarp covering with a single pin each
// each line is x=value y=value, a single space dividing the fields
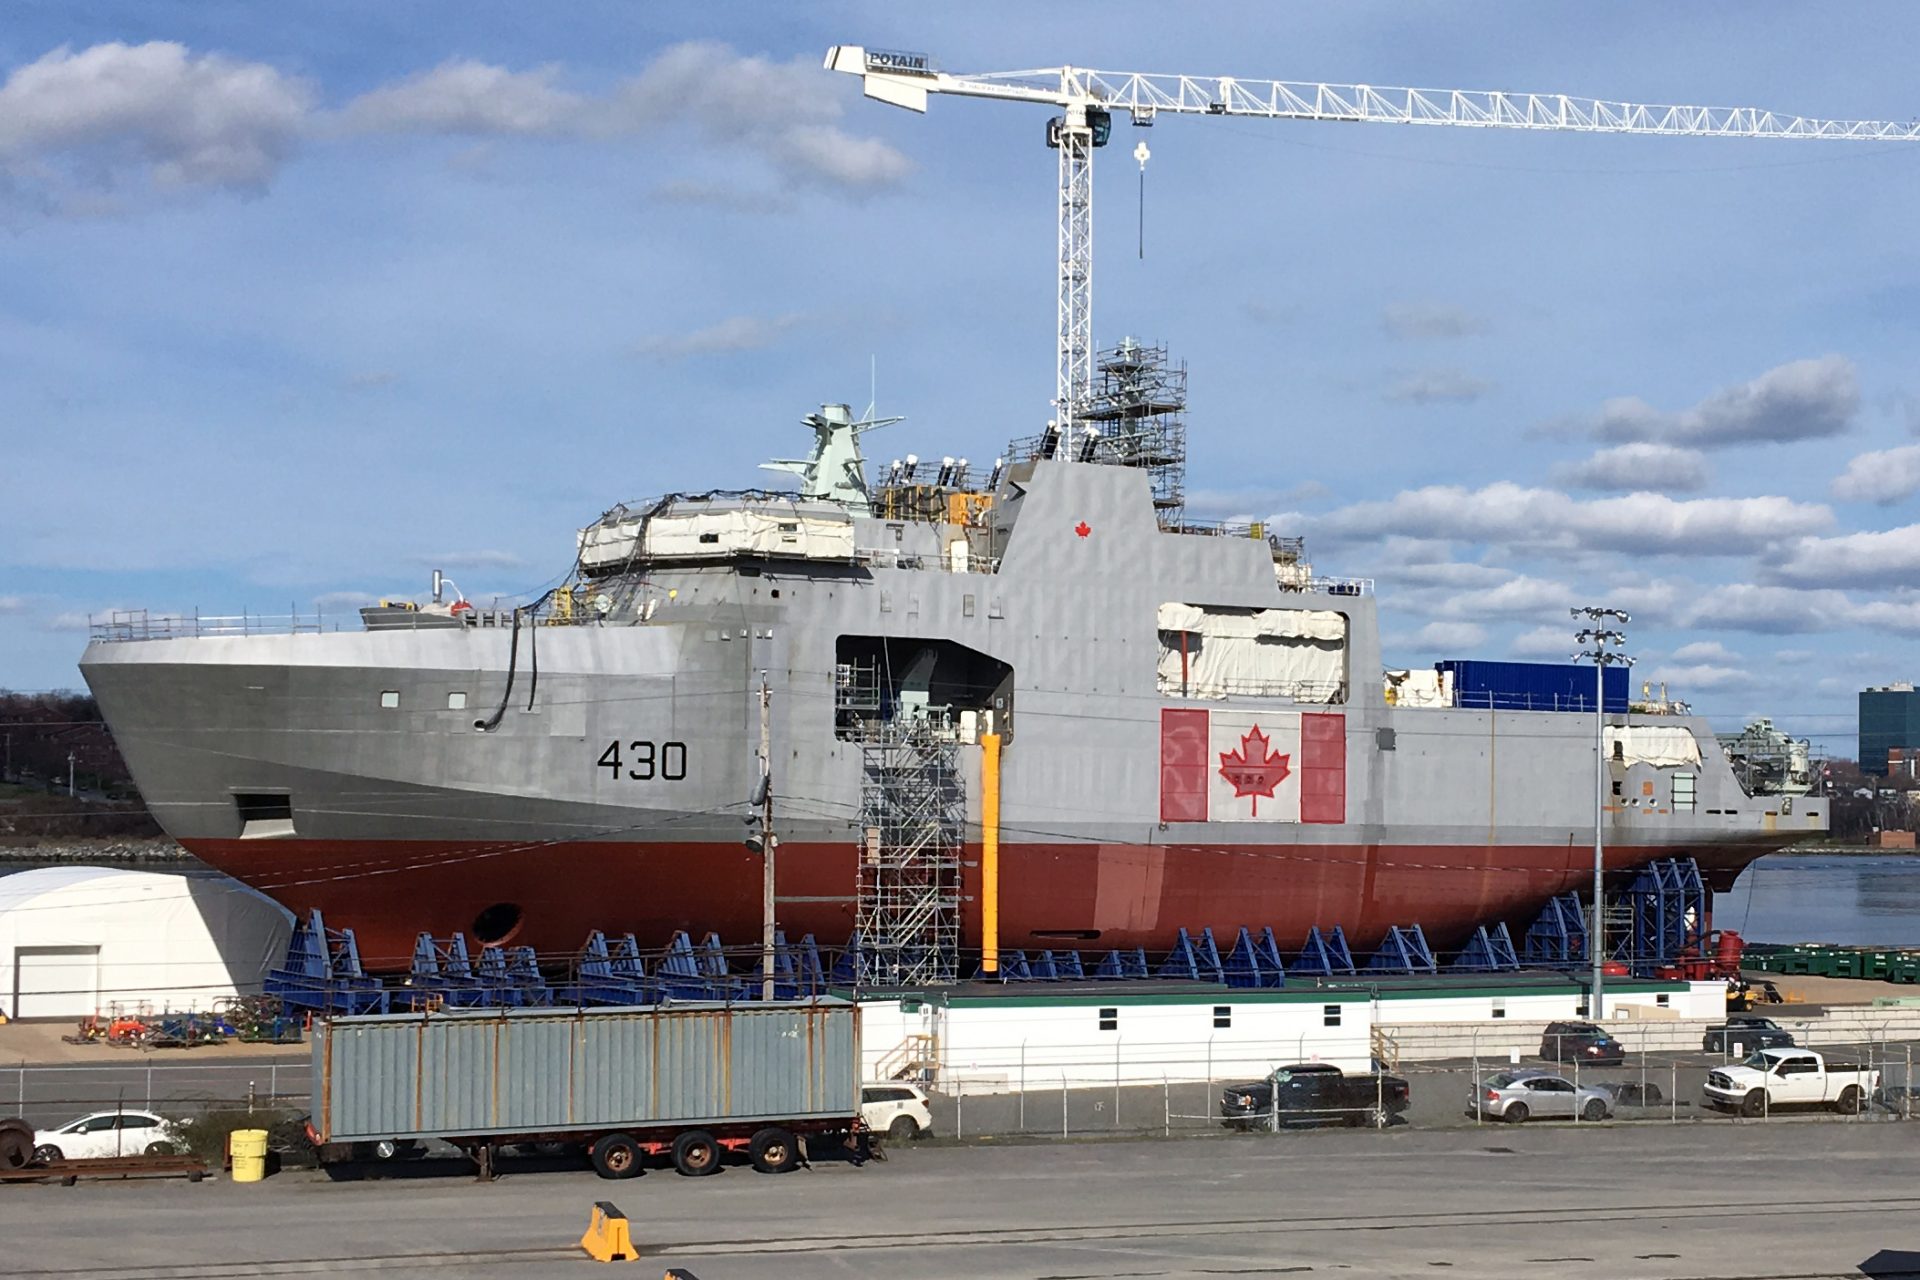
x=1421 y=687
x=1217 y=653
x=704 y=533
x=1661 y=745
x=76 y=940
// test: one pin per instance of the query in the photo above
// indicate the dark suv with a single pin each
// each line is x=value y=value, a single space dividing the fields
x=1581 y=1042
x=1742 y=1034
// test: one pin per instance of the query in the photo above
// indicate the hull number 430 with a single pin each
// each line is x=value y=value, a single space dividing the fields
x=644 y=761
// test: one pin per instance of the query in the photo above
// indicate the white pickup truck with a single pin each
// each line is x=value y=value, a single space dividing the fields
x=1785 y=1077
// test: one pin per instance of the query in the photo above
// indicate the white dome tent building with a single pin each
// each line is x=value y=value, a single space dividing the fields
x=80 y=940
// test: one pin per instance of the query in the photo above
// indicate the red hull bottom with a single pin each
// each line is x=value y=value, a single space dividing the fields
x=1081 y=896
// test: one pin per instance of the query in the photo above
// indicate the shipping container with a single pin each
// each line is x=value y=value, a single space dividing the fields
x=486 y=1077
x=1531 y=686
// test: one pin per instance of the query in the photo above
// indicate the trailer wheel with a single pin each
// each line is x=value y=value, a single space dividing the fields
x=1848 y=1103
x=616 y=1156
x=16 y=1144
x=774 y=1150
x=696 y=1154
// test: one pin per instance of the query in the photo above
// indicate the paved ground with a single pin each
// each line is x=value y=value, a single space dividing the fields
x=1653 y=1202
x=39 y=1042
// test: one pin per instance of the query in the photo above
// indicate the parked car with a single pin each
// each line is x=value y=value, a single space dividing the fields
x=897 y=1108
x=1790 y=1077
x=1314 y=1093
x=108 y=1133
x=1741 y=1034
x=1582 y=1042
x=1631 y=1093
x=1518 y=1096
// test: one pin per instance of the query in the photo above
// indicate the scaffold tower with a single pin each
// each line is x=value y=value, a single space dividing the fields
x=912 y=822
x=1136 y=417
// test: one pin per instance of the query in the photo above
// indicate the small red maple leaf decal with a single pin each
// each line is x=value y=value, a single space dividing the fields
x=1253 y=770
x=1083 y=528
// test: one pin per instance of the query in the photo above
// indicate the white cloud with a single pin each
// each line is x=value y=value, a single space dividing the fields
x=68 y=620
x=1640 y=467
x=1791 y=657
x=1884 y=476
x=786 y=111
x=1436 y=386
x=471 y=560
x=1705 y=651
x=1889 y=557
x=1801 y=400
x=734 y=334
x=12 y=605
x=462 y=96
x=114 y=112
x=1700 y=675
x=1547 y=520
x=1515 y=598
x=1450 y=635
x=1767 y=609
x=345 y=599
x=1416 y=320
x=76 y=127
x=1544 y=642
x=1233 y=504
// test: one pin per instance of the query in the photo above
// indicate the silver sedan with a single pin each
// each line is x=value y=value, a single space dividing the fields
x=1518 y=1096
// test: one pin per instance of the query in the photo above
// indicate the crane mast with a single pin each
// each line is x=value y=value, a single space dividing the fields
x=1086 y=100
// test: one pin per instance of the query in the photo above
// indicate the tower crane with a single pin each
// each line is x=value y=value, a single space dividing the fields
x=1087 y=100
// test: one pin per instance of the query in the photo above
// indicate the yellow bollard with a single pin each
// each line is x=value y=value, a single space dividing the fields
x=607 y=1239
x=249 y=1149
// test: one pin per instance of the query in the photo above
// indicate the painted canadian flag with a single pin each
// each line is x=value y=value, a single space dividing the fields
x=1242 y=766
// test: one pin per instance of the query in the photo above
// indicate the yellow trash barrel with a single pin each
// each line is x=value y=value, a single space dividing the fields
x=249 y=1148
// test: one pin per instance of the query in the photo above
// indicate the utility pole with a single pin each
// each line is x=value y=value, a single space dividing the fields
x=768 y=841
x=69 y=775
x=1600 y=636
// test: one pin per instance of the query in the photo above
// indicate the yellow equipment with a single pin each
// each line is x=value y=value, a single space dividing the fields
x=607 y=1239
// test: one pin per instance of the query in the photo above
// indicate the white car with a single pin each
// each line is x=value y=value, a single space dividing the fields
x=108 y=1133
x=897 y=1108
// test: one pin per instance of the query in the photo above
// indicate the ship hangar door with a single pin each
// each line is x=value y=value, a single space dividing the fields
x=55 y=982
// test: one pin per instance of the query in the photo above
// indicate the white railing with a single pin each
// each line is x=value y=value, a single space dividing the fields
x=140 y=624
x=895 y=558
x=1340 y=586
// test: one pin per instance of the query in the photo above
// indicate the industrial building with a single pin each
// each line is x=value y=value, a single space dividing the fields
x=1889 y=722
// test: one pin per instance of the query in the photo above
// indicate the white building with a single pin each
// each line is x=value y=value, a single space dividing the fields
x=80 y=940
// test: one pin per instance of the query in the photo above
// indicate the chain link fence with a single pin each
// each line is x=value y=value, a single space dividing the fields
x=1647 y=1087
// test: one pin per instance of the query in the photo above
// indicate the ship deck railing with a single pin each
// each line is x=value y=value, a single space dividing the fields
x=141 y=624
x=1339 y=586
x=896 y=558
x=1315 y=692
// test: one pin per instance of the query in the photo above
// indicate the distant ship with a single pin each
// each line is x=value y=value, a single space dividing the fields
x=1187 y=727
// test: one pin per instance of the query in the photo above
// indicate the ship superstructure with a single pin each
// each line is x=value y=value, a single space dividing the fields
x=1192 y=727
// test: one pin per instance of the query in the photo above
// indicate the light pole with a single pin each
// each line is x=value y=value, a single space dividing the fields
x=1598 y=635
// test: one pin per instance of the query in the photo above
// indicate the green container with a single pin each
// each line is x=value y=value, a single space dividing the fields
x=1849 y=964
x=1877 y=964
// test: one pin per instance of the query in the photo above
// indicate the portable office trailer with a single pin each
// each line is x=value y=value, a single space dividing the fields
x=690 y=1081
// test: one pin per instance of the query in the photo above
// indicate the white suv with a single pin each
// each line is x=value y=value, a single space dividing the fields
x=897 y=1108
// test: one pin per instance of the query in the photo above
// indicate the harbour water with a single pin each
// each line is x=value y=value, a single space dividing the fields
x=1853 y=900
x=1850 y=899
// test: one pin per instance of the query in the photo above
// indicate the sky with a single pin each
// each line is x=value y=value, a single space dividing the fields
x=299 y=302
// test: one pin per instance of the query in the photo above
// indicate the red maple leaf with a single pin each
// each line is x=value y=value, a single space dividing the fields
x=1253 y=770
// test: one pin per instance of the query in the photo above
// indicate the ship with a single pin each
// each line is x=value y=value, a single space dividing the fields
x=1032 y=705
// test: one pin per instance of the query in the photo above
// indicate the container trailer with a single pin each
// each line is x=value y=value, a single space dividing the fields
x=691 y=1082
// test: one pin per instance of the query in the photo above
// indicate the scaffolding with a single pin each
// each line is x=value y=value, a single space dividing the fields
x=1136 y=417
x=912 y=823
